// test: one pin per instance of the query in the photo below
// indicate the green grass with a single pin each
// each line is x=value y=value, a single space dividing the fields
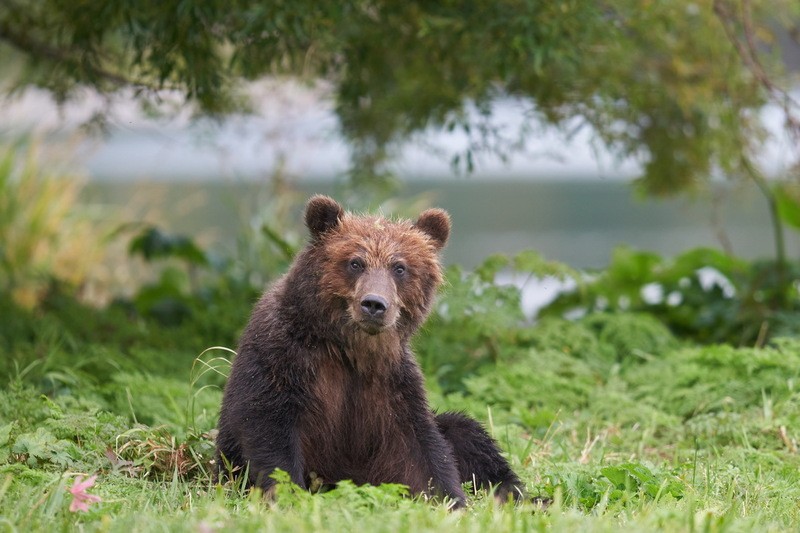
x=621 y=425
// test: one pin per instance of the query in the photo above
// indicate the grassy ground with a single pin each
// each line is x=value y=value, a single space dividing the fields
x=623 y=426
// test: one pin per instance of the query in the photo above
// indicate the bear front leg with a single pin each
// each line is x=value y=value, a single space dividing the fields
x=437 y=459
x=268 y=446
x=257 y=433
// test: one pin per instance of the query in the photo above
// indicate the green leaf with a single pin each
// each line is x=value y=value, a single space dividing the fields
x=490 y=267
x=152 y=244
x=631 y=266
x=282 y=244
x=5 y=435
x=687 y=264
x=35 y=445
x=533 y=262
x=787 y=198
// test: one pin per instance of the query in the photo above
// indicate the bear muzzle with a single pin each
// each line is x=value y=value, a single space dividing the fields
x=375 y=314
x=373 y=306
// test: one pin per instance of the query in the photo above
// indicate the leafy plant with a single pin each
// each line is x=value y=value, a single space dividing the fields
x=41 y=446
x=614 y=486
x=153 y=243
x=168 y=299
x=703 y=294
x=787 y=196
x=638 y=478
x=471 y=326
x=741 y=377
x=477 y=321
x=42 y=235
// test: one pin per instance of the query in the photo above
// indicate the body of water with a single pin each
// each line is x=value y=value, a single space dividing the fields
x=577 y=222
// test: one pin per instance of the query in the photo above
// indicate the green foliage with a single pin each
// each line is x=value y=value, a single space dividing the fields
x=159 y=401
x=268 y=240
x=787 y=196
x=68 y=432
x=5 y=448
x=42 y=236
x=662 y=83
x=42 y=446
x=473 y=322
x=576 y=339
x=741 y=377
x=615 y=486
x=168 y=300
x=638 y=478
x=535 y=389
x=153 y=243
x=528 y=262
x=571 y=366
x=631 y=336
x=196 y=286
x=703 y=294
x=477 y=321
x=71 y=343
x=611 y=436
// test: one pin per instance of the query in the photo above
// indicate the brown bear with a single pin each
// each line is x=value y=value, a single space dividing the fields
x=325 y=385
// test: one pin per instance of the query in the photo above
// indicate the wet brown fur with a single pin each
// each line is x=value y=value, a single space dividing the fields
x=320 y=386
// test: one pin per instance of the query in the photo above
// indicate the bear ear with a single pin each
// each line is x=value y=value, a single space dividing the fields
x=322 y=214
x=435 y=223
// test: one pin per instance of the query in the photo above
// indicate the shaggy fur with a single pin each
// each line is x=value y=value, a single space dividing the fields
x=325 y=381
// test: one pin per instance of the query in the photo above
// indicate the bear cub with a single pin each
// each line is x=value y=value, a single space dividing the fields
x=325 y=385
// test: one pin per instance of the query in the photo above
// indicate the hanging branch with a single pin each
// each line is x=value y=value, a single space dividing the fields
x=747 y=51
x=745 y=47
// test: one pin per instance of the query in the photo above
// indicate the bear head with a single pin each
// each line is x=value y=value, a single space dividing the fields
x=376 y=275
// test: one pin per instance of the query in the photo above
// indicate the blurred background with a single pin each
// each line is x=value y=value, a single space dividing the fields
x=559 y=192
x=136 y=137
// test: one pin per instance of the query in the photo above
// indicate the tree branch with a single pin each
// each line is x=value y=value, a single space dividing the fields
x=46 y=52
x=777 y=228
x=749 y=55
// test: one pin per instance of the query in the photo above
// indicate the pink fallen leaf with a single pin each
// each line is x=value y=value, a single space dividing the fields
x=80 y=498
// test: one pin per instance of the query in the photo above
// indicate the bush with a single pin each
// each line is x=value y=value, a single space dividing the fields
x=43 y=237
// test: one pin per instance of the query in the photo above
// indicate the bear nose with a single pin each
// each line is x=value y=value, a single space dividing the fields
x=374 y=306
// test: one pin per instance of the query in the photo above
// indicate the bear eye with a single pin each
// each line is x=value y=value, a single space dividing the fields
x=356 y=265
x=399 y=270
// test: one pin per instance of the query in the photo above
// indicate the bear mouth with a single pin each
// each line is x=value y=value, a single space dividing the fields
x=372 y=327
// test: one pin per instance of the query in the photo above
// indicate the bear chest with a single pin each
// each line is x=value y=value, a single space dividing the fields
x=343 y=400
x=354 y=427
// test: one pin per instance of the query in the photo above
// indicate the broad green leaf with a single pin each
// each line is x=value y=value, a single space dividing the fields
x=788 y=203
